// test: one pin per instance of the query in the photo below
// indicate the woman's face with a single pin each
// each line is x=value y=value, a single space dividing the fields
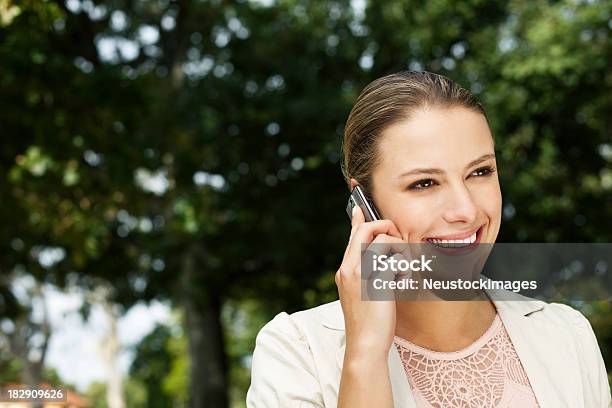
x=437 y=176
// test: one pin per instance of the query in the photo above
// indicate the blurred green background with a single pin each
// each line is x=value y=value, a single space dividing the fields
x=188 y=152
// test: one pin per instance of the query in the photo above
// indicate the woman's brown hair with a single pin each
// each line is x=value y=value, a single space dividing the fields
x=388 y=100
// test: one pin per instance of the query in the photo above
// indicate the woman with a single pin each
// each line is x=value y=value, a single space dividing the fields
x=421 y=146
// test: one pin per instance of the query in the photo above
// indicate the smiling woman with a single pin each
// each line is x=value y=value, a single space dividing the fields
x=421 y=148
x=437 y=174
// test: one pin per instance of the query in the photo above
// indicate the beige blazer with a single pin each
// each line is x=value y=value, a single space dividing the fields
x=298 y=358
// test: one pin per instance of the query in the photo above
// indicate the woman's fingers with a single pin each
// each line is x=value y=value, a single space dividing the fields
x=356 y=219
x=378 y=232
x=388 y=245
x=365 y=233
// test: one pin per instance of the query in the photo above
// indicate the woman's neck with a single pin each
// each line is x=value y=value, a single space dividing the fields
x=443 y=325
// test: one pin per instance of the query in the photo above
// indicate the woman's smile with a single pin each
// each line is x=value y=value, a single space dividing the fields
x=457 y=239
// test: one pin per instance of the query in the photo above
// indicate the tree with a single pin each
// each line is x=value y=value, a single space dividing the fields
x=190 y=150
x=26 y=341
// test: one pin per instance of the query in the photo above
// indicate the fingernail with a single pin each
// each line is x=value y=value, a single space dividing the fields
x=354 y=211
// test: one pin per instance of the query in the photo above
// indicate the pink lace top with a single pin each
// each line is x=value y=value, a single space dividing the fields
x=485 y=374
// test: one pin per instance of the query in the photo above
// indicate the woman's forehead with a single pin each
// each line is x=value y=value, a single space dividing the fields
x=436 y=136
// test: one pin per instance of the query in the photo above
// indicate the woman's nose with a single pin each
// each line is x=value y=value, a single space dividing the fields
x=460 y=205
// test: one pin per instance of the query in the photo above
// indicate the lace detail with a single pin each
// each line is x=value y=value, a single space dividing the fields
x=485 y=374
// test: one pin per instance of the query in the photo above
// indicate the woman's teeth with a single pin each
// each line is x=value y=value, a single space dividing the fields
x=453 y=242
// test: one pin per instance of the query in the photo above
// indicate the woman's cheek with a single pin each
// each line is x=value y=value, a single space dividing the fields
x=413 y=224
x=494 y=203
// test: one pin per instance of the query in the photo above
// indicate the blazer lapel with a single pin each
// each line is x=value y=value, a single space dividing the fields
x=402 y=394
x=544 y=352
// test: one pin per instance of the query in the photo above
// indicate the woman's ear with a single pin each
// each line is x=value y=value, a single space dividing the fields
x=353 y=183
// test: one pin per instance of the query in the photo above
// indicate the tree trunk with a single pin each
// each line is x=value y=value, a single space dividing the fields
x=208 y=365
x=19 y=342
x=110 y=351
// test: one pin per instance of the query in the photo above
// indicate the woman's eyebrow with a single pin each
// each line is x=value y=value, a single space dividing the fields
x=439 y=171
x=482 y=158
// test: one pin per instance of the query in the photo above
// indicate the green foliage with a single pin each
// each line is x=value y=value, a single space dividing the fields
x=135 y=394
x=175 y=384
x=96 y=393
x=160 y=366
x=241 y=320
x=10 y=369
x=151 y=360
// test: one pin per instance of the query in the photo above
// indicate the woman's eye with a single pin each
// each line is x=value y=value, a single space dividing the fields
x=428 y=183
x=484 y=171
x=421 y=184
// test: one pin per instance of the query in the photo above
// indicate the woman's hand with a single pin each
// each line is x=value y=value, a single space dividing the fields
x=369 y=325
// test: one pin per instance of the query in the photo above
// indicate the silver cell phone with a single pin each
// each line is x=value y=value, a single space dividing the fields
x=358 y=198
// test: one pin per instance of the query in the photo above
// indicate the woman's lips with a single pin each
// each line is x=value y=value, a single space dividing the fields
x=461 y=249
x=462 y=235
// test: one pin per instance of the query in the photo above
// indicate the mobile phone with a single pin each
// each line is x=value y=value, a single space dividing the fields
x=358 y=198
